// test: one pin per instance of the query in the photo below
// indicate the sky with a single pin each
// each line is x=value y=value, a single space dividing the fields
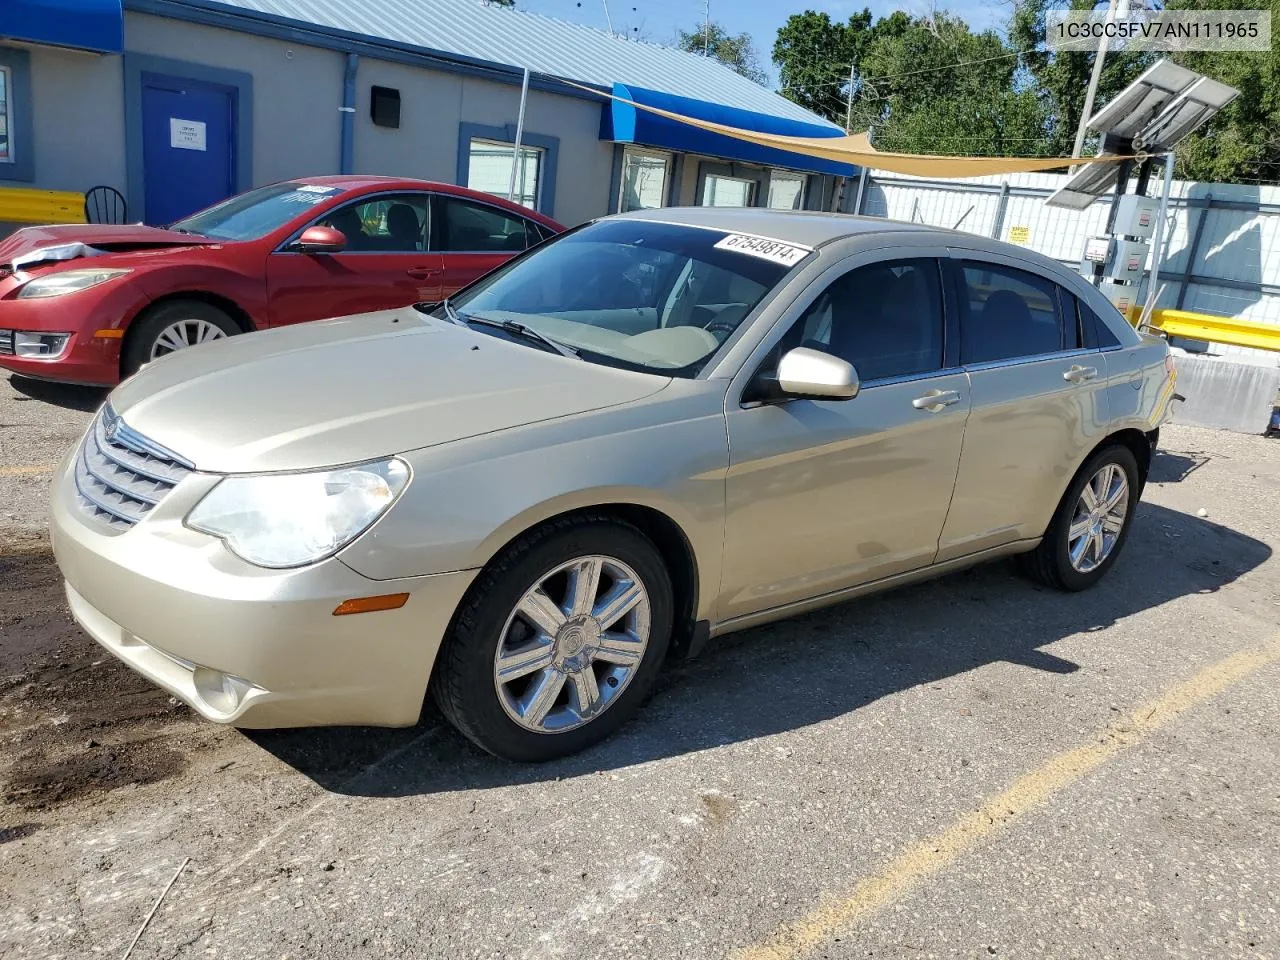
x=658 y=20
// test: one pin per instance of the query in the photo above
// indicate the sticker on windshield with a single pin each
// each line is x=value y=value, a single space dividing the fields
x=316 y=188
x=787 y=254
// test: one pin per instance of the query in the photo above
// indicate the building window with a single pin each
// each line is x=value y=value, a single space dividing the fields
x=720 y=191
x=6 y=125
x=489 y=170
x=644 y=180
x=786 y=190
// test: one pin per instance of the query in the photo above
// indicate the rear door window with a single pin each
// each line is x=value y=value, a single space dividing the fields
x=1007 y=314
x=465 y=226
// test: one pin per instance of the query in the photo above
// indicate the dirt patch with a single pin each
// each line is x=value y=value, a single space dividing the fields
x=37 y=782
x=75 y=720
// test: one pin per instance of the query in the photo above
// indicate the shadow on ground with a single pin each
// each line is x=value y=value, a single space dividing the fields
x=68 y=395
x=807 y=670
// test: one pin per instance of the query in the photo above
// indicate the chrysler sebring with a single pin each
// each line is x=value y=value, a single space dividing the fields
x=646 y=432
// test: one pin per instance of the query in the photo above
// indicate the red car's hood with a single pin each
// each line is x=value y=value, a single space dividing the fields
x=107 y=238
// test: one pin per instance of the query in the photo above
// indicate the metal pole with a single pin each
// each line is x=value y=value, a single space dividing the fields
x=1093 y=80
x=848 y=110
x=607 y=19
x=1157 y=238
x=706 y=28
x=862 y=191
x=515 y=150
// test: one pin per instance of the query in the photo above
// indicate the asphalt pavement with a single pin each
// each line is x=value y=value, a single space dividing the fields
x=974 y=767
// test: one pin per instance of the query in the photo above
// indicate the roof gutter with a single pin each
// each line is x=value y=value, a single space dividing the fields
x=346 y=159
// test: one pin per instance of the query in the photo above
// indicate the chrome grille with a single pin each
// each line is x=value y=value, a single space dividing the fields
x=121 y=475
x=6 y=341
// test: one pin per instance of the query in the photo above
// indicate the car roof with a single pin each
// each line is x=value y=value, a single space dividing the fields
x=815 y=228
x=376 y=182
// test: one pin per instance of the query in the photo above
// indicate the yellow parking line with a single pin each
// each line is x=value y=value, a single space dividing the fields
x=929 y=856
x=28 y=471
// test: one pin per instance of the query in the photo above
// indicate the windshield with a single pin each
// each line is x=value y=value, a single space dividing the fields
x=632 y=293
x=256 y=213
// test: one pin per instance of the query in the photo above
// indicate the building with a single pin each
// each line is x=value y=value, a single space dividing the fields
x=178 y=103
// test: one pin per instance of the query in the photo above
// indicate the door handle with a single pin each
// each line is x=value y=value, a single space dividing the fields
x=1079 y=374
x=424 y=273
x=935 y=400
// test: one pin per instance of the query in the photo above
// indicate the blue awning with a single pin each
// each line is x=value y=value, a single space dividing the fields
x=623 y=123
x=96 y=25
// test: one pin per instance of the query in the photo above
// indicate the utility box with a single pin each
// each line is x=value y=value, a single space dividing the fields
x=1136 y=216
x=1128 y=260
x=1097 y=250
x=1123 y=295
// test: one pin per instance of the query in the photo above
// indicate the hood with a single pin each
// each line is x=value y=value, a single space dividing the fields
x=359 y=388
x=27 y=244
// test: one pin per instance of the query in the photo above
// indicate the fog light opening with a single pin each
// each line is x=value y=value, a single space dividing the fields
x=43 y=346
x=222 y=691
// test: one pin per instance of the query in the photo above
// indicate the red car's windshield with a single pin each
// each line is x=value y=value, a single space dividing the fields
x=251 y=215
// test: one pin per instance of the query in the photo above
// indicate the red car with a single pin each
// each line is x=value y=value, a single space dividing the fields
x=91 y=303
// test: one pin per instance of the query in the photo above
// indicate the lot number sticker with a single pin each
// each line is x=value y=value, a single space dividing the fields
x=786 y=254
x=1019 y=234
x=186 y=134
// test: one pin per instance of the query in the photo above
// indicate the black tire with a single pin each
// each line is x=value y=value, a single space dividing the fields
x=1050 y=563
x=147 y=328
x=463 y=681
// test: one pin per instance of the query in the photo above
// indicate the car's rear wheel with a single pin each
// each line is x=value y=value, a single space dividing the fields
x=559 y=640
x=1091 y=524
x=172 y=326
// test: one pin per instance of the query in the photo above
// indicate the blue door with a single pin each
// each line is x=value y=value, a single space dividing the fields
x=188 y=152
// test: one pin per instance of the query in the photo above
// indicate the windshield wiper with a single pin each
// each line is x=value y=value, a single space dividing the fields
x=519 y=329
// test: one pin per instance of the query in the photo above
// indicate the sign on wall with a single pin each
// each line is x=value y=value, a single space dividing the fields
x=186 y=134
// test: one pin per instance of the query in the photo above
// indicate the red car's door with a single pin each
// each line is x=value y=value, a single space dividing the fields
x=475 y=237
x=385 y=263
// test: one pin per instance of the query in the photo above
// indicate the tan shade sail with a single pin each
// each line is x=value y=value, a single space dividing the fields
x=857 y=149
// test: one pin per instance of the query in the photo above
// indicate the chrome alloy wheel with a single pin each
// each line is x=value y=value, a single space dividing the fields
x=185 y=333
x=572 y=644
x=1099 y=518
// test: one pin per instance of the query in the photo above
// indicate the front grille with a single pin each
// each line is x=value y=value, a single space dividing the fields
x=121 y=475
x=6 y=342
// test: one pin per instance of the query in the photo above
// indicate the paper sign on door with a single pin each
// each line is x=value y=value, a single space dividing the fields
x=186 y=134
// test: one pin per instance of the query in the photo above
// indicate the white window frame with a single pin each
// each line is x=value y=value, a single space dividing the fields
x=7 y=112
x=539 y=155
x=668 y=164
x=751 y=184
x=778 y=173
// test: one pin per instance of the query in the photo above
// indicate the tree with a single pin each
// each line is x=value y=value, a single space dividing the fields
x=1061 y=79
x=1243 y=141
x=815 y=57
x=735 y=51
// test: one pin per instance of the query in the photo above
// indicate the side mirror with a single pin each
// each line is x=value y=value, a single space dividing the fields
x=813 y=375
x=320 y=239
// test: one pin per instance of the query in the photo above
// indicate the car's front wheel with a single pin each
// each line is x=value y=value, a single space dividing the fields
x=172 y=326
x=1091 y=525
x=559 y=640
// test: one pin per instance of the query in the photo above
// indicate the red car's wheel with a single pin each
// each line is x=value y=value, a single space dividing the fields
x=174 y=326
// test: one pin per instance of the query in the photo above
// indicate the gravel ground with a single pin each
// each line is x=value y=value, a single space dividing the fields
x=970 y=768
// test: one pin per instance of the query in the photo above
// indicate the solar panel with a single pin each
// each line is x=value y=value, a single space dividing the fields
x=1151 y=115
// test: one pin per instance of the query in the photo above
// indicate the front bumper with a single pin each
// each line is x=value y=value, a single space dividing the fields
x=242 y=645
x=88 y=358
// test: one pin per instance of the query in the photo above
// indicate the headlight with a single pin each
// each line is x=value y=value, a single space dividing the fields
x=68 y=281
x=292 y=519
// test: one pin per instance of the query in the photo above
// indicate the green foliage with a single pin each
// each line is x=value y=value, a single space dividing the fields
x=736 y=52
x=814 y=55
x=931 y=85
x=1243 y=141
x=1060 y=80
